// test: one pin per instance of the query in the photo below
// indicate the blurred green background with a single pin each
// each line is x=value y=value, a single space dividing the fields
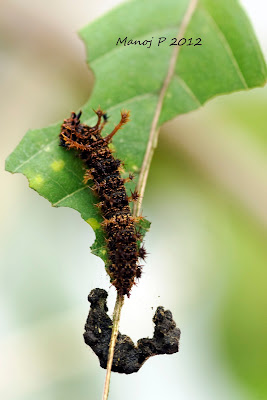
x=206 y=197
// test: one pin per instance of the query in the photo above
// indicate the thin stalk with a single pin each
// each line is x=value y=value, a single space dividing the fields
x=152 y=142
x=154 y=130
x=114 y=334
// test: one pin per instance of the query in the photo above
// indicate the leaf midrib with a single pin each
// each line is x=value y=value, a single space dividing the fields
x=154 y=130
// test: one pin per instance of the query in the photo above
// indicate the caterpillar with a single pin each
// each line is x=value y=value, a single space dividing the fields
x=104 y=171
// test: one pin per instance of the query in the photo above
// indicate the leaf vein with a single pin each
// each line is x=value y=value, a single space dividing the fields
x=187 y=89
x=227 y=48
x=69 y=195
x=33 y=156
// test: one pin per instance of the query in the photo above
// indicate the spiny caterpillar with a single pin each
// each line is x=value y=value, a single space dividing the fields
x=105 y=171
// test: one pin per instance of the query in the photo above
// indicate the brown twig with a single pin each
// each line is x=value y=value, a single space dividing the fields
x=154 y=130
x=153 y=137
x=114 y=334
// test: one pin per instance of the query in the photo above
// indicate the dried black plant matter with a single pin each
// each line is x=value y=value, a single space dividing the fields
x=128 y=357
x=105 y=171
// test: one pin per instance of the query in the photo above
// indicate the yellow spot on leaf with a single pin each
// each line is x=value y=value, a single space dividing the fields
x=93 y=223
x=57 y=165
x=103 y=252
x=36 y=182
x=134 y=168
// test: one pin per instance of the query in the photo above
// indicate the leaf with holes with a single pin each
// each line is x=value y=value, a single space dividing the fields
x=156 y=83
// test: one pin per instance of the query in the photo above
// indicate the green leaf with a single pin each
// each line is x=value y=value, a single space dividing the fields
x=140 y=79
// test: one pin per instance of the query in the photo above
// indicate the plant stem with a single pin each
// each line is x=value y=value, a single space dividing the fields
x=154 y=130
x=153 y=138
x=114 y=334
